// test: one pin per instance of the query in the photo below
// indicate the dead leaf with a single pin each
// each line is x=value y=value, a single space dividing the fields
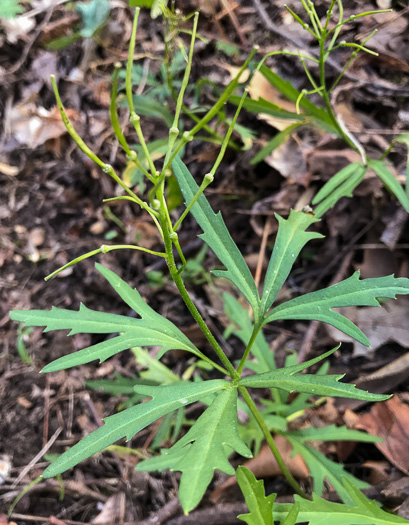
x=33 y=125
x=24 y=402
x=380 y=325
x=289 y=160
x=265 y=465
x=324 y=163
x=144 y=233
x=6 y=169
x=397 y=490
x=380 y=471
x=60 y=27
x=80 y=488
x=113 y=511
x=390 y=421
x=17 y=28
x=279 y=202
x=376 y=262
x=52 y=520
x=37 y=236
x=382 y=381
x=348 y=116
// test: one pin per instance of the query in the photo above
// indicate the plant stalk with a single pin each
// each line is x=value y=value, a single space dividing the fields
x=174 y=272
x=328 y=105
x=271 y=443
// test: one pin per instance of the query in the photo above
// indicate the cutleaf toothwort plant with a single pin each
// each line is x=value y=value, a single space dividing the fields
x=216 y=434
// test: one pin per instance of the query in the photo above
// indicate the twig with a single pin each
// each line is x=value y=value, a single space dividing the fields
x=260 y=261
x=225 y=514
x=28 y=517
x=162 y=515
x=37 y=457
x=46 y=409
x=235 y=21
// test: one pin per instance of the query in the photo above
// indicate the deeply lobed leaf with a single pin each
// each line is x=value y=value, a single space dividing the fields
x=126 y=424
x=332 y=433
x=206 y=447
x=259 y=505
x=217 y=236
x=319 y=511
x=322 y=385
x=291 y=238
x=317 y=306
x=310 y=384
x=322 y=468
x=151 y=329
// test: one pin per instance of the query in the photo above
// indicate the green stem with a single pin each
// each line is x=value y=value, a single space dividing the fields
x=114 y=116
x=207 y=179
x=224 y=97
x=256 y=330
x=174 y=272
x=325 y=95
x=129 y=64
x=107 y=168
x=103 y=249
x=271 y=443
x=217 y=138
x=185 y=80
x=136 y=121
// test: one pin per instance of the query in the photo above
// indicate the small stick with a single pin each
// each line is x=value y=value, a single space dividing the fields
x=46 y=410
x=27 y=469
x=266 y=232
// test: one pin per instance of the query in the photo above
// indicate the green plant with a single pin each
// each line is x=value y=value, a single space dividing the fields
x=162 y=88
x=263 y=510
x=10 y=9
x=216 y=433
x=326 y=32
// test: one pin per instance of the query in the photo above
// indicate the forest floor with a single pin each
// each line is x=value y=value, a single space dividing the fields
x=51 y=212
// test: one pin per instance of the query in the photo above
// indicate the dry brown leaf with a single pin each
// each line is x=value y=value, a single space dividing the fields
x=324 y=163
x=348 y=116
x=37 y=236
x=33 y=125
x=52 y=520
x=390 y=421
x=6 y=169
x=265 y=465
x=377 y=262
x=382 y=381
x=146 y=233
x=380 y=325
x=4 y=520
x=113 y=511
x=24 y=402
x=379 y=471
x=289 y=160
